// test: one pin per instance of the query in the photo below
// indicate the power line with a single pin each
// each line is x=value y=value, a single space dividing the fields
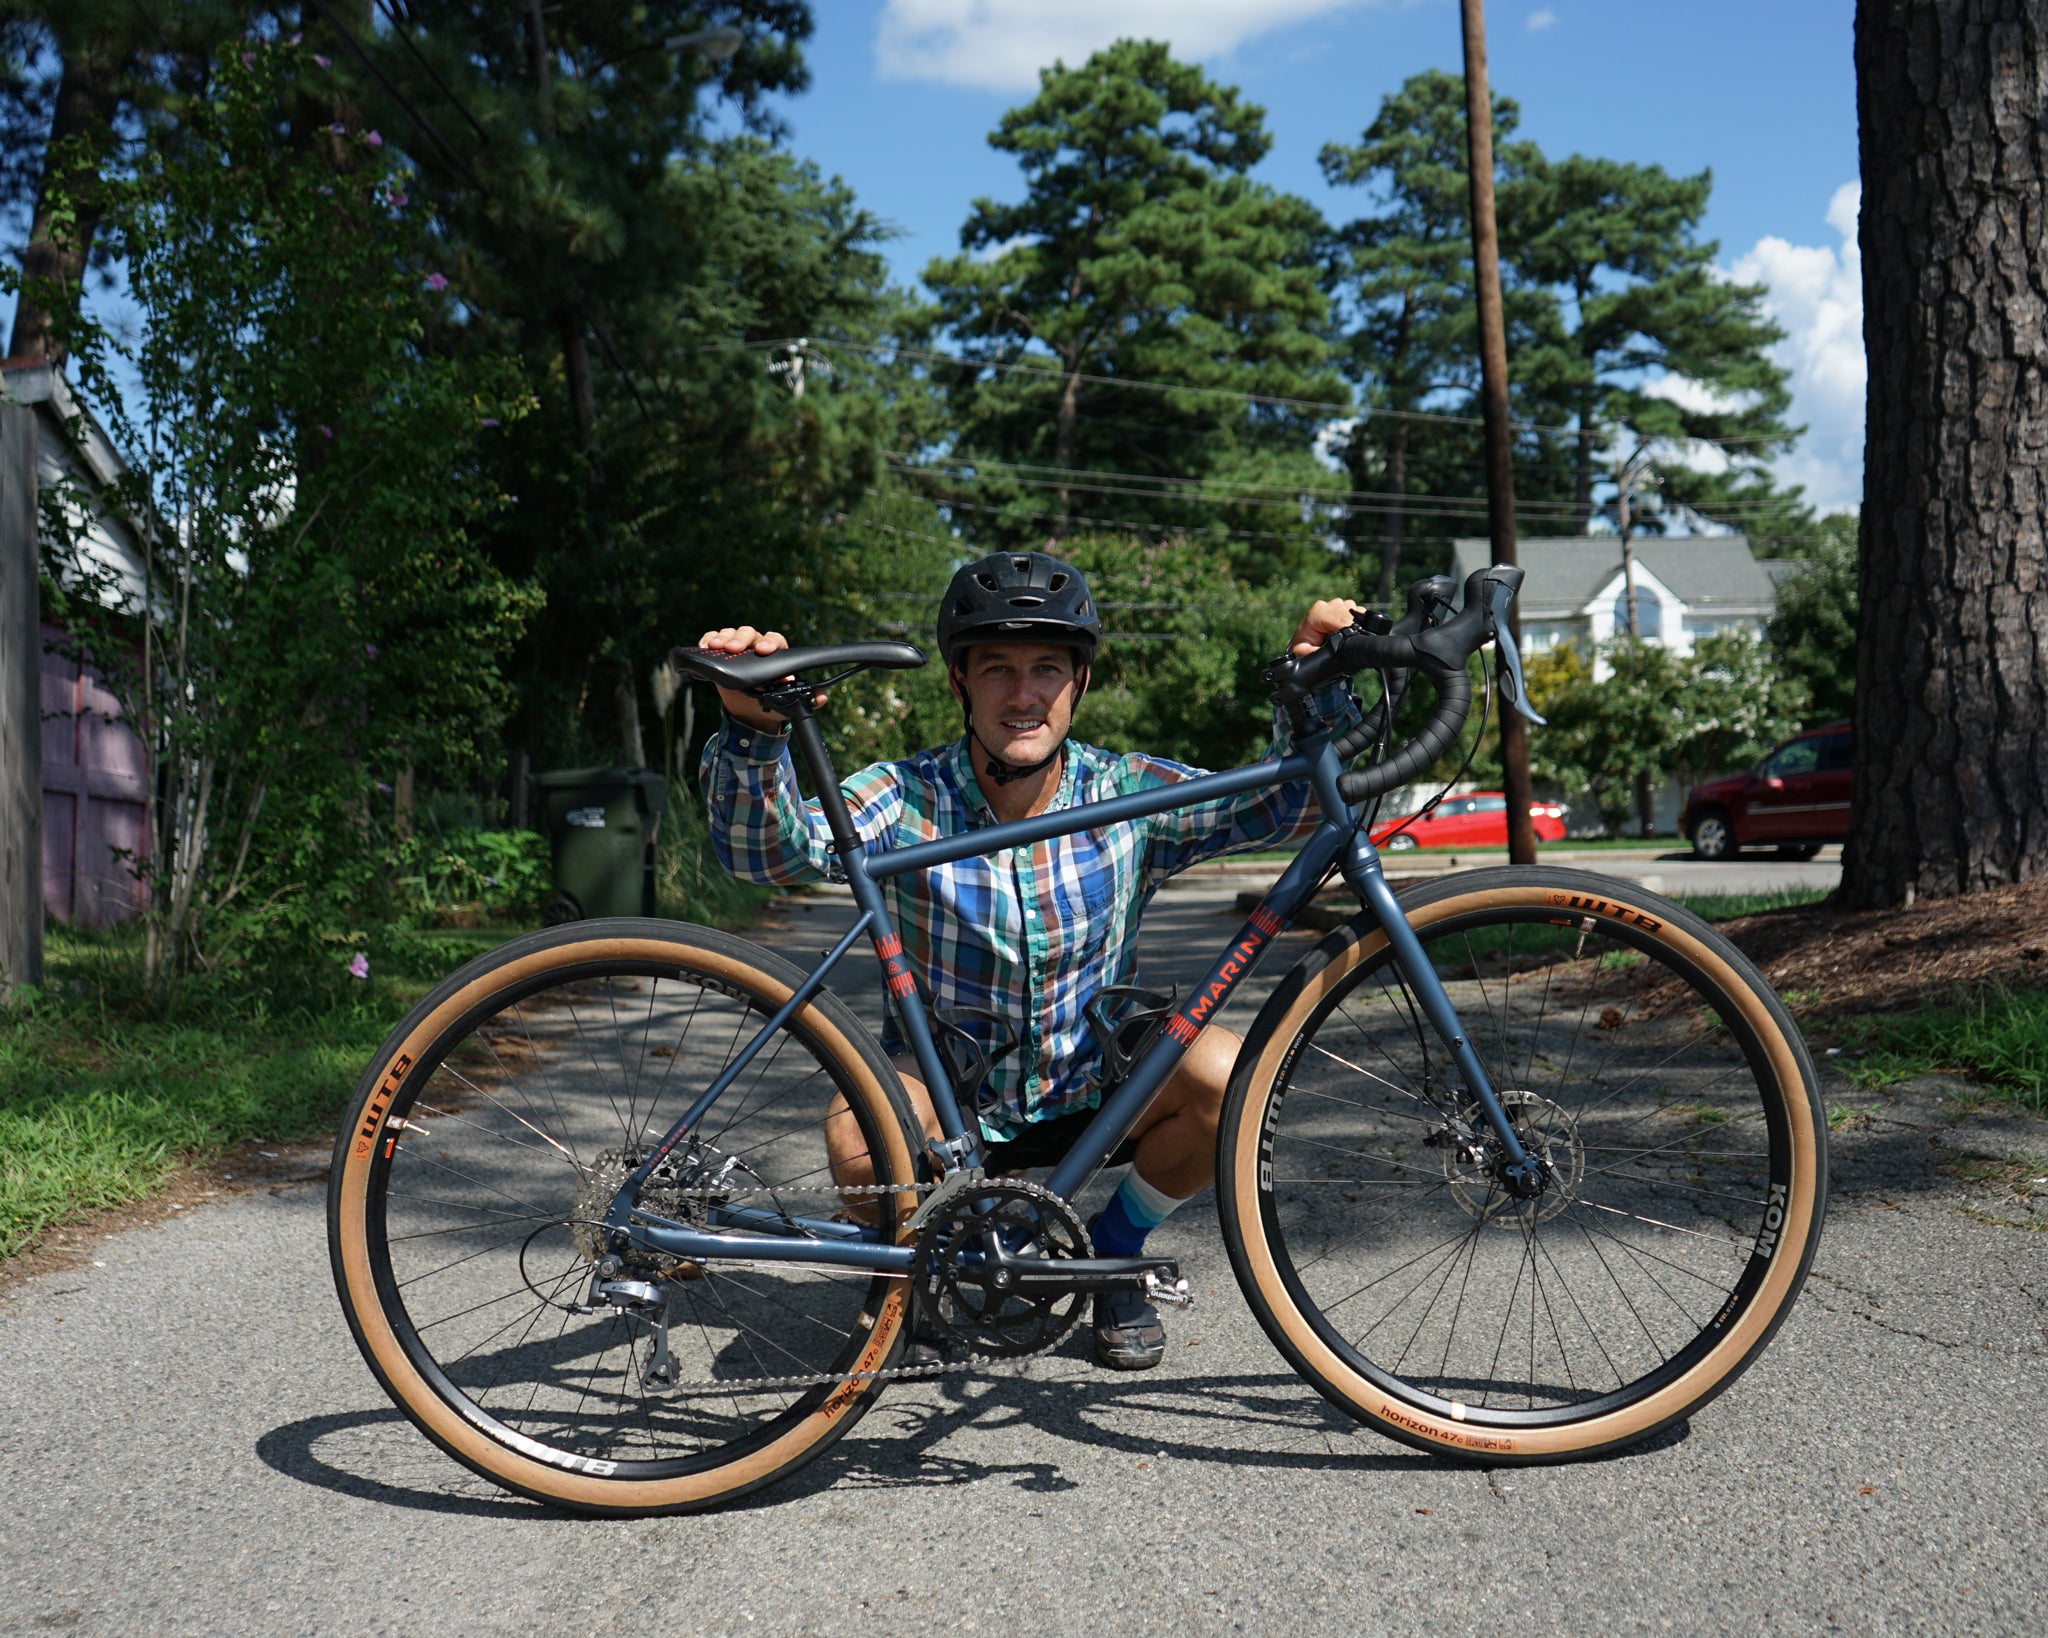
x=1149 y=486
x=930 y=355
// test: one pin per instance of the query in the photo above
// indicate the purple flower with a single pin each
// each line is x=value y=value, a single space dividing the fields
x=374 y=140
x=370 y=649
x=399 y=200
x=325 y=431
x=322 y=61
x=437 y=281
x=359 y=965
x=338 y=129
x=295 y=39
x=491 y=421
x=248 y=59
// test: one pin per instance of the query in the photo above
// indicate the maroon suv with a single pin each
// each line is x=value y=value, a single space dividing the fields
x=1794 y=800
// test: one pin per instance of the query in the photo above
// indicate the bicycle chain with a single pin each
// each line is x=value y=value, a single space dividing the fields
x=823 y=1378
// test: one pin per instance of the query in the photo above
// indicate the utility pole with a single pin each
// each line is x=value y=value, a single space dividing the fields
x=1633 y=474
x=1493 y=377
x=21 y=705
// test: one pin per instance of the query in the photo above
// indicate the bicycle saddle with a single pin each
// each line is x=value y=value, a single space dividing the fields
x=759 y=670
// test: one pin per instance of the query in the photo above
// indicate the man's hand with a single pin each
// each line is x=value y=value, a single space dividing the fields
x=1323 y=621
x=746 y=640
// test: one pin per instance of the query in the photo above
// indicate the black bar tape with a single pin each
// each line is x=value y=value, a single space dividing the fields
x=1453 y=704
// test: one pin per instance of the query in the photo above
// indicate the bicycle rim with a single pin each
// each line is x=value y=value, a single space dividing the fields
x=475 y=1174
x=1671 y=1101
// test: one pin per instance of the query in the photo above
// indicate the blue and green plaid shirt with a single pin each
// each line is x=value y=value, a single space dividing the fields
x=1030 y=933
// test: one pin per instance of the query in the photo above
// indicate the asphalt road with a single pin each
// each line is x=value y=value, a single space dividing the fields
x=190 y=1444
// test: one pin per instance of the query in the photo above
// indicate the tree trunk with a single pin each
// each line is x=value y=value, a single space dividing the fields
x=1397 y=520
x=1065 y=431
x=21 y=708
x=1951 y=705
x=87 y=100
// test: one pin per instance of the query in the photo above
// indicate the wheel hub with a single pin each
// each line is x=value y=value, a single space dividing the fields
x=1476 y=1164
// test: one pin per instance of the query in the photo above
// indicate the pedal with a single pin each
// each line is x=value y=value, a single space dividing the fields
x=1172 y=1291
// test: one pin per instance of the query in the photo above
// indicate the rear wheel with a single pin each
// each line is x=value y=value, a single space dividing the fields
x=1636 y=1051
x=470 y=1183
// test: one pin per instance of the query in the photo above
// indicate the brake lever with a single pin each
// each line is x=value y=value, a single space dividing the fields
x=1499 y=599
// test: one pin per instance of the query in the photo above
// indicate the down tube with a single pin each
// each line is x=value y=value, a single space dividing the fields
x=1279 y=907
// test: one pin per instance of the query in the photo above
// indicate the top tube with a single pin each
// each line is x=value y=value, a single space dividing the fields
x=1111 y=810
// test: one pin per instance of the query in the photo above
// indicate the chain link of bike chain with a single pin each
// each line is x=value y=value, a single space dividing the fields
x=893 y=1373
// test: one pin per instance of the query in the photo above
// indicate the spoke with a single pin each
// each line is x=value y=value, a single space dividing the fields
x=457 y=1262
x=456 y=1171
x=1377 y=1079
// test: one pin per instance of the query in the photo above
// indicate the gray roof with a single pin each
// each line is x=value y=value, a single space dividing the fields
x=1712 y=574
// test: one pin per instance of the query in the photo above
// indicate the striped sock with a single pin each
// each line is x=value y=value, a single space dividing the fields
x=1134 y=1211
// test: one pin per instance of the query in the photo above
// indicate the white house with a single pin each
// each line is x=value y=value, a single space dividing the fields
x=1687 y=588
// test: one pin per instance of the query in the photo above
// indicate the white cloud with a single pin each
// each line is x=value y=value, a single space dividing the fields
x=1000 y=45
x=1816 y=296
x=1540 y=19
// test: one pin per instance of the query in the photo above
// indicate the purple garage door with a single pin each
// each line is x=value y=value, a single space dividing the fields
x=94 y=787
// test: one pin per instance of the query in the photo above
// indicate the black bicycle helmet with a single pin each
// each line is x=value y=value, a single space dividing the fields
x=1015 y=597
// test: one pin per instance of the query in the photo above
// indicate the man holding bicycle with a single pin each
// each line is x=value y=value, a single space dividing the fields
x=1032 y=934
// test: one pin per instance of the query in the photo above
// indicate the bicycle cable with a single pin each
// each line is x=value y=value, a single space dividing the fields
x=1487 y=682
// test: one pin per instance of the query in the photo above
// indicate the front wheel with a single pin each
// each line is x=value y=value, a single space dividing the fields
x=1659 y=1079
x=467 y=1210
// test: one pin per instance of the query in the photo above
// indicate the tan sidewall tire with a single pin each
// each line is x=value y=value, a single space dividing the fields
x=1254 y=1257
x=733 y=960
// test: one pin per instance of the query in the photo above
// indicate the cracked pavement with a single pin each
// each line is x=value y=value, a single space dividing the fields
x=190 y=1444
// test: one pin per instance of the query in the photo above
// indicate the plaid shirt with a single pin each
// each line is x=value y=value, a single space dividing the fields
x=1030 y=933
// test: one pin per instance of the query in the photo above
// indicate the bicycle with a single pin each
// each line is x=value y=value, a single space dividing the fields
x=585 y=1235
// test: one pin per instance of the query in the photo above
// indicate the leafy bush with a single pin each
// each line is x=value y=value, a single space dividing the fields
x=689 y=882
x=496 y=875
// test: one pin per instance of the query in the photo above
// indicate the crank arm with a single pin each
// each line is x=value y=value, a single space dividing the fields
x=1088 y=1273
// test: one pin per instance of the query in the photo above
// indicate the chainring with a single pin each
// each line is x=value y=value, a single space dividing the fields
x=967 y=1299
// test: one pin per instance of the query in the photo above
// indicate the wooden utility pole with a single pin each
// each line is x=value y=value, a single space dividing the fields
x=1627 y=475
x=21 y=707
x=1493 y=398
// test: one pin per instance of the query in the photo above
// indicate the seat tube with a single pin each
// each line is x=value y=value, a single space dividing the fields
x=1362 y=870
x=867 y=895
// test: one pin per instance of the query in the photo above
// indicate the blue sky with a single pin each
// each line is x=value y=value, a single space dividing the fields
x=904 y=93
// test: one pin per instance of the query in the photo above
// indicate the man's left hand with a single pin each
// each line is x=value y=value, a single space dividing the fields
x=1323 y=621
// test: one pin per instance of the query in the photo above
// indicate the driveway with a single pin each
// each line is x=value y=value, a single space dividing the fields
x=189 y=1444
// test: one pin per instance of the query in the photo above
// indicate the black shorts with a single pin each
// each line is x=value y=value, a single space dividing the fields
x=1046 y=1142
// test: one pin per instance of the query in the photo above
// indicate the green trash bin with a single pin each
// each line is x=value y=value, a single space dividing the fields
x=601 y=825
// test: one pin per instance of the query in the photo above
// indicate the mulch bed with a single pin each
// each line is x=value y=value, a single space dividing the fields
x=1827 y=961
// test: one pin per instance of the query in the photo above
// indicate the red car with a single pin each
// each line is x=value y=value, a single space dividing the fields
x=1795 y=799
x=1477 y=820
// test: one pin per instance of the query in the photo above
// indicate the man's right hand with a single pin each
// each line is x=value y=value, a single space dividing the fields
x=746 y=640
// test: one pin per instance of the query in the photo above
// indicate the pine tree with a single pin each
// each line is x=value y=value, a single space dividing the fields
x=1403 y=277
x=1640 y=303
x=1140 y=256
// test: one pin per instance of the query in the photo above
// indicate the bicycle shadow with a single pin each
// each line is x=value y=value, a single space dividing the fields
x=1237 y=1422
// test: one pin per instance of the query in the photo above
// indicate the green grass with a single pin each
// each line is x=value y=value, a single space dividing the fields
x=1996 y=1037
x=1728 y=906
x=102 y=1096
